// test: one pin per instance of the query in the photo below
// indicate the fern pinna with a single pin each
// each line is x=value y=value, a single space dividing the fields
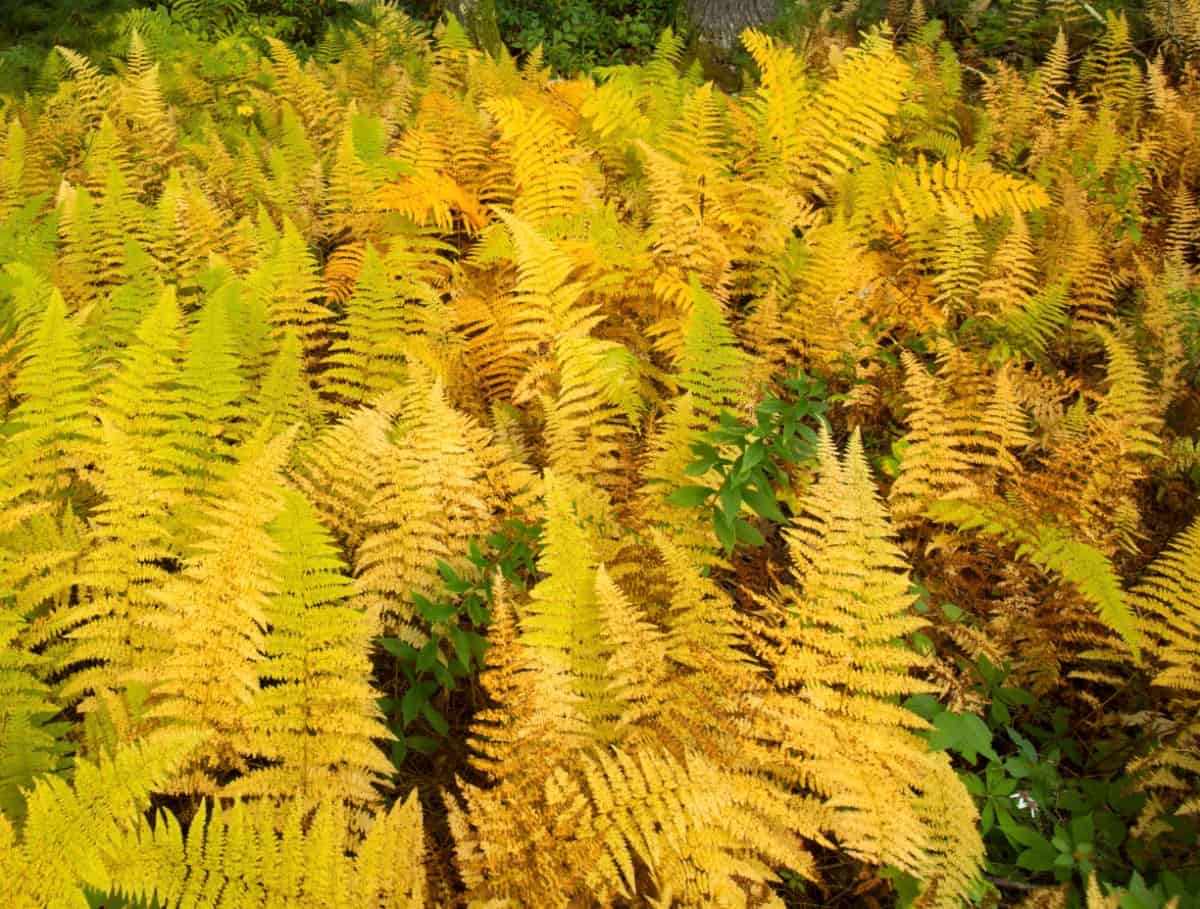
x=285 y=341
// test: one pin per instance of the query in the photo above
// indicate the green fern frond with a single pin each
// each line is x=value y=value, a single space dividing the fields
x=29 y=743
x=369 y=357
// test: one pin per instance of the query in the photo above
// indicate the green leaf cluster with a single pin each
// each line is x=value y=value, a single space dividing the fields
x=755 y=462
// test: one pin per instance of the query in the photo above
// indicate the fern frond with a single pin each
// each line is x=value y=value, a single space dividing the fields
x=291 y=289
x=833 y=644
x=855 y=601
x=561 y=624
x=209 y=392
x=71 y=831
x=975 y=188
x=314 y=716
x=849 y=116
x=548 y=178
x=530 y=709
x=1128 y=408
x=833 y=292
x=1011 y=280
x=936 y=463
x=256 y=855
x=368 y=359
x=712 y=366
x=315 y=104
x=109 y=626
x=339 y=470
x=781 y=100
x=1168 y=597
x=700 y=835
x=1054 y=74
x=140 y=398
x=50 y=430
x=12 y=168
x=959 y=262
x=1109 y=69
x=29 y=746
x=92 y=88
x=215 y=612
x=1049 y=547
x=431 y=501
x=286 y=396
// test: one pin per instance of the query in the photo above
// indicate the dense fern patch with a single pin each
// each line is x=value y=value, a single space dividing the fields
x=428 y=481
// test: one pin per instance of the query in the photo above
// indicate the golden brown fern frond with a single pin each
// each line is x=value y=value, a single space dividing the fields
x=623 y=822
x=936 y=463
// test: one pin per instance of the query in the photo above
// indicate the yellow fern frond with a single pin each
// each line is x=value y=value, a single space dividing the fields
x=314 y=715
x=548 y=176
x=849 y=116
x=215 y=614
x=431 y=500
x=72 y=831
x=257 y=855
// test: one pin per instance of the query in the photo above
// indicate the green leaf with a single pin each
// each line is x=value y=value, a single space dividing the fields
x=754 y=454
x=454 y=583
x=925 y=706
x=725 y=532
x=952 y=612
x=1021 y=835
x=764 y=504
x=922 y=643
x=436 y=613
x=689 y=496
x=1016 y=697
x=401 y=650
x=987 y=818
x=422 y=744
x=479 y=646
x=414 y=699
x=387 y=705
x=428 y=655
x=998 y=712
x=477 y=612
x=436 y=721
x=731 y=502
x=1083 y=829
x=964 y=733
x=706 y=457
x=1038 y=859
x=444 y=676
x=748 y=533
x=462 y=646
